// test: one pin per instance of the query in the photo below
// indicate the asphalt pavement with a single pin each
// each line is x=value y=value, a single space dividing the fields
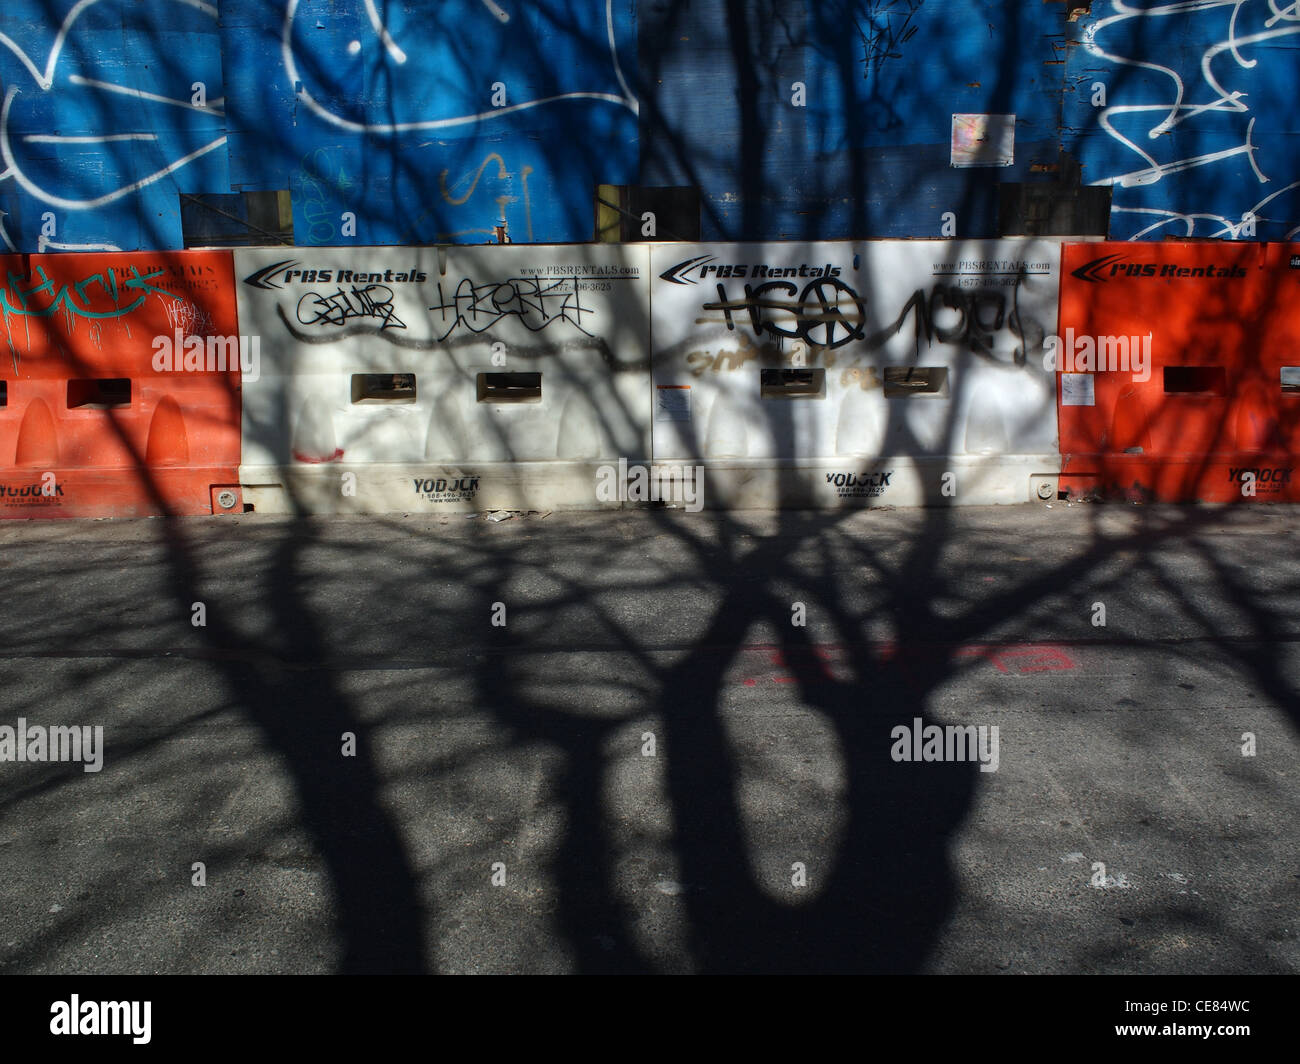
x=655 y=741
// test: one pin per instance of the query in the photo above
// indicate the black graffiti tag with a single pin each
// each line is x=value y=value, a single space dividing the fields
x=817 y=315
x=979 y=313
x=828 y=313
x=338 y=308
x=536 y=302
x=889 y=26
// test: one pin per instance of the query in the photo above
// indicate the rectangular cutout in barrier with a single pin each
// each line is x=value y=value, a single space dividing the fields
x=911 y=382
x=858 y=325
x=509 y=387
x=1195 y=380
x=383 y=388
x=103 y=394
x=110 y=407
x=792 y=383
x=1197 y=407
x=400 y=379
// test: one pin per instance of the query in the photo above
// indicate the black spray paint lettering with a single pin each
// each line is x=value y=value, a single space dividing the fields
x=980 y=314
x=586 y=346
x=817 y=314
x=829 y=313
x=888 y=27
x=535 y=302
x=340 y=307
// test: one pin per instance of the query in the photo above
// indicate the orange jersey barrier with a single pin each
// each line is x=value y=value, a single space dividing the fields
x=119 y=391
x=1178 y=369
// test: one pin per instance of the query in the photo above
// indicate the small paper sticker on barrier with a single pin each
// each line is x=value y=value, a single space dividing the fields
x=1078 y=389
x=983 y=140
x=673 y=402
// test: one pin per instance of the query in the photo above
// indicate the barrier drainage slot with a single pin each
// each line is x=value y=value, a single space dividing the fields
x=4 y=393
x=1290 y=381
x=99 y=394
x=792 y=383
x=1195 y=380
x=383 y=387
x=914 y=382
x=509 y=387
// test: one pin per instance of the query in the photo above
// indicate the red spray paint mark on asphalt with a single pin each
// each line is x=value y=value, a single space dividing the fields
x=829 y=663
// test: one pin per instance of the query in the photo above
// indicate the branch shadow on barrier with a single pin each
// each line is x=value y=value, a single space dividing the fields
x=885 y=892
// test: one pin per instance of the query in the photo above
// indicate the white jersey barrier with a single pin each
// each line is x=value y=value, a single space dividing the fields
x=454 y=379
x=835 y=374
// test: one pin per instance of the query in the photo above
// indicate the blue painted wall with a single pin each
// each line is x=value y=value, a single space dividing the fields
x=401 y=128
x=870 y=152
x=396 y=125
x=99 y=133
x=1200 y=122
x=383 y=111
